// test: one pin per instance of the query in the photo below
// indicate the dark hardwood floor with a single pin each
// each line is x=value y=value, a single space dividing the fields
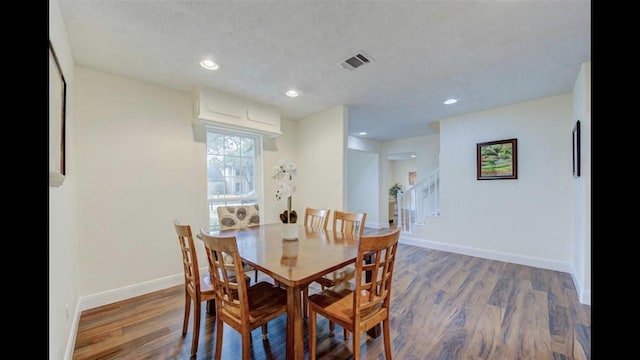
x=444 y=306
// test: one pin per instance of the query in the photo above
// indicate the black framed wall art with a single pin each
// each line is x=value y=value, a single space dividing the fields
x=497 y=160
x=57 y=120
x=575 y=141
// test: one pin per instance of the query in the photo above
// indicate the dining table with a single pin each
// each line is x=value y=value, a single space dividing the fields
x=294 y=264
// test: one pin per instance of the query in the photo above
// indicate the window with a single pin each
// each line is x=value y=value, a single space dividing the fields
x=232 y=170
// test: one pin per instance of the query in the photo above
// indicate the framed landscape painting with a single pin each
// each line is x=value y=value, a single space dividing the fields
x=497 y=160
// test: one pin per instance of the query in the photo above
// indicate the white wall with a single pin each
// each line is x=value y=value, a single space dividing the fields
x=277 y=148
x=527 y=220
x=375 y=148
x=363 y=185
x=399 y=172
x=581 y=186
x=138 y=169
x=549 y=119
x=63 y=240
x=321 y=146
x=427 y=149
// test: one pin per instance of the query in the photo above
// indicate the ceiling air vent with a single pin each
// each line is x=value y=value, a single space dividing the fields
x=356 y=61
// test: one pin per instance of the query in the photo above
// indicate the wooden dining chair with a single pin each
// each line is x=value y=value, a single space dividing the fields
x=196 y=288
x=347 y=223
x=316 y=218
x=360 y=309
x=239 y=217
x=241 y=307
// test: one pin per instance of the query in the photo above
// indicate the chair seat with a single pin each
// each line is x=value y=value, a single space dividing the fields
x=207 y=293
x=337 y=277
x=338 y=304
x=206 y=287
x=264 y=301
x=247 y=267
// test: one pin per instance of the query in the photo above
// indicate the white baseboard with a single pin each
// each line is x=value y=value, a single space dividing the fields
x=489 y=254
x=123 y=293
x=584 y=296
x=71 y=341
x=115 y=295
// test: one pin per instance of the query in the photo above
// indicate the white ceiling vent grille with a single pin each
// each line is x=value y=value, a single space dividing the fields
x=356 y=61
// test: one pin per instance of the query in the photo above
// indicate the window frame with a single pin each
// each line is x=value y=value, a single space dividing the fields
x=258 y=178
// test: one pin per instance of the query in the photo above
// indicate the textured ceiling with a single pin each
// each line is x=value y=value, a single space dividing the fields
x=486 y=53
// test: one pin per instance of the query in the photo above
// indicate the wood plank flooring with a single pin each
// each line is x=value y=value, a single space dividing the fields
x=445 y=306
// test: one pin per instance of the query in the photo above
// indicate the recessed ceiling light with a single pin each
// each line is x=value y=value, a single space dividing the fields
x=450 y=101
x=414 y=155
x=292 y=93
x=209 y=64
x=362 y=133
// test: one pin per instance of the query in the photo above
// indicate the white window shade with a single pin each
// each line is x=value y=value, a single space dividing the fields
x=213 y=107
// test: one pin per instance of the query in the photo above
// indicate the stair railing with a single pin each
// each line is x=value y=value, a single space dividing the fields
x=419 y=201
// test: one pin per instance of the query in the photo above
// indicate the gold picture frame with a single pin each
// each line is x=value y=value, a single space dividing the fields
x=413 y=175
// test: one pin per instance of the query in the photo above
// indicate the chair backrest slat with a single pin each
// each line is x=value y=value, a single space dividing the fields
x=231 y=290
x=189 y=257
x=376 y=258
x=349 y=222
x=317 y=218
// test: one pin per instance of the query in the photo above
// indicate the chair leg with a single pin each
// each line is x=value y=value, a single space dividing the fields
x=356 y=346
x=387 y=338
x=332 y=329
x=196 y=328
x=219 y=331
x=246 y=345
x=256 y=277
x=305 y=301
x=312 y=335
x=264 y=332
x=187 y=309
x=345 y=334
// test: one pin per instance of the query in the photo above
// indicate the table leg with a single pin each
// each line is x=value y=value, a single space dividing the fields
x=295 y=333
x=211 y=307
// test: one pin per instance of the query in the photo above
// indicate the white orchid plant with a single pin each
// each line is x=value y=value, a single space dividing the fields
x=285 y=172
